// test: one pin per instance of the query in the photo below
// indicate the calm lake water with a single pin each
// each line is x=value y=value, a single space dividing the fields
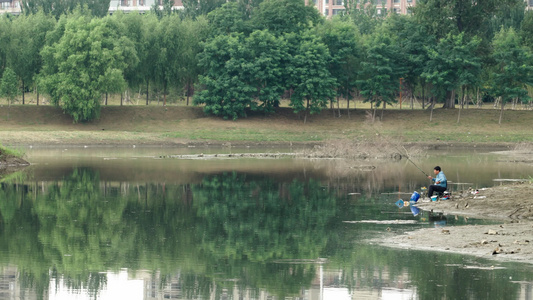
x=130 y=223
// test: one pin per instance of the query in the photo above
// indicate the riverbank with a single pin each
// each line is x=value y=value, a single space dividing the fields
x=10 y=161
x=509 y=205
x=183 y=126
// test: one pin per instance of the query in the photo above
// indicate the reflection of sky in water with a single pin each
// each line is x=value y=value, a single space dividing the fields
x=365 y=194
x=119 y=286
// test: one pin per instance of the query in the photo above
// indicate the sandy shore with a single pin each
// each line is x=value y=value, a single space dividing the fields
x=510 y=204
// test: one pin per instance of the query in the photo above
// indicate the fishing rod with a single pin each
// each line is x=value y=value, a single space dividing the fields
x=406 y=156
x=416 y=166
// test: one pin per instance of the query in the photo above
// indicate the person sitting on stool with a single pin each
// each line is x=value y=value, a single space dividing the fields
x=441 y=184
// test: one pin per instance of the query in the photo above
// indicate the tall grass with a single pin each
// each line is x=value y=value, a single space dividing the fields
x=5 y=151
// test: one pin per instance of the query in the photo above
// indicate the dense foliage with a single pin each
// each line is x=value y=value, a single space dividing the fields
x=243 y=56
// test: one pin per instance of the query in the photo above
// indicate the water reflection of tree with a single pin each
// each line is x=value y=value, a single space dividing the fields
x=231 y=225
x=226 y=233
x=258 y=221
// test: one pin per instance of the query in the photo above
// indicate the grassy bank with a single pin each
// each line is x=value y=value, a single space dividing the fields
x=10 y=158
x=6 y=152
x=30 y=124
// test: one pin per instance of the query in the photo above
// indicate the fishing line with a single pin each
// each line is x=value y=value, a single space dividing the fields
x=406 y=156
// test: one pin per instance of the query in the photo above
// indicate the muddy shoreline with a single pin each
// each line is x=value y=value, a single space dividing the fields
x=510 y=239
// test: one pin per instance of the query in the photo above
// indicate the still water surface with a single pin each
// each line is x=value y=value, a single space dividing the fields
x=112 y=223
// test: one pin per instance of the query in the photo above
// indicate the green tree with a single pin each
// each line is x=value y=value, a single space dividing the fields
x=242 y=73
x=222 y=91
x=86 y=62
x=414 y=41
x=129 y=30
x=526 y=30
x=343 y=42
x=170 y=71
x=248 y=7
x=27 y=40
x=380 y=70
x=143 y=31
x=227 y=19
x=97 y=8
x=513 y=69
x=196 y=33
x=508 y=16
x=195 y=8
x=309 y=79
x=453 y=63
x=9 y=85
x=456 y=16
x=5 y=29
x=285 y=16
x=265 y=58
x=365 y=15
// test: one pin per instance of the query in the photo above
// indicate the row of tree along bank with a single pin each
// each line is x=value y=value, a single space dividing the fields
x=234 y=57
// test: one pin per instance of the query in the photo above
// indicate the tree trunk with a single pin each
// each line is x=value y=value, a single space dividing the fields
x=501 y=112
x=188 y=91
x=37 y=90
x=459 y=115
x=165 y=95
x=450 y=99
x=22 y=92
x=338 y=106
x=461 y=106
x=478 y=99
x=432 y=106
x=147 y=87
x=463 y=98
x=348 y=102
x=423 y=97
